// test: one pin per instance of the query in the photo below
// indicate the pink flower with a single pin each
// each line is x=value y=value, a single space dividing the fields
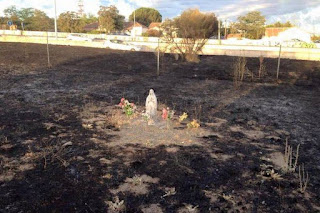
x=122 y=102
x=164 y=114
x=132 y=104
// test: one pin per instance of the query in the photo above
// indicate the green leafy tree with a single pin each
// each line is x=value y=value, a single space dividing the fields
x=3 y=22
x=12 y=14
x=32 y=19
x=252 y=25
x=279 y=24
x=40 y=21
x=25 y=14
x=195 y=28
x=89 y=18
x=70 y=22
x=146 y=15
x=110 y=19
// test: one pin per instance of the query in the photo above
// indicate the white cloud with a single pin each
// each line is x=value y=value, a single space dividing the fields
x=304 y=12
x=231 y=12
x=90 y=6
x=307 y=19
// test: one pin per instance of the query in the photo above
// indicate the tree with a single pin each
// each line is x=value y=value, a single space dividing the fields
x=31 y=18
x=25 y=14
x=252 y=24
x=12 y=14
x=110 y=19
x=89 y=18
x=70 y=22
x=195 y=28
x=40 y=21
x=146 y=15
x=279 y=24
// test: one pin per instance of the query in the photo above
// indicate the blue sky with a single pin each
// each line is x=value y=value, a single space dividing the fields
x=304 y=13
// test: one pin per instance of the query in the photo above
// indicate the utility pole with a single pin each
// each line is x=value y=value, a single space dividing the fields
x=134 y=24
x=55 y=19
x=134 y=17
x=219 y=29
x=158 y=58
x=225 y=29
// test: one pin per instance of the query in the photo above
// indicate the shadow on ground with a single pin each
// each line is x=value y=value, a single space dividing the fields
x=51 y=161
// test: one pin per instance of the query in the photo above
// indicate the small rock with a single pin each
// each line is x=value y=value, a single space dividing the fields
x=273 y=137
x=7 y=147
x=104 y=161
x=252 y=123
x=67 y=144
x=79 y=158
x=282 y=132
x=151 y=122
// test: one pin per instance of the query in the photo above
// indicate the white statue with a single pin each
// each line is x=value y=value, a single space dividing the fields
x=151 y=104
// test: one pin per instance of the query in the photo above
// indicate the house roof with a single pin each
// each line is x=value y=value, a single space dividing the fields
x=92 y=26
x=154 y=24
x=129 y=25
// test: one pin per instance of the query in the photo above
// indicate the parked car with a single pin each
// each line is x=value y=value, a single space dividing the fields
x=121 y=45
x=78 y=37
x=119 y=34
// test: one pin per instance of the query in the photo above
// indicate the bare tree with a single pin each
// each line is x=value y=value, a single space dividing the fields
x=193 y=29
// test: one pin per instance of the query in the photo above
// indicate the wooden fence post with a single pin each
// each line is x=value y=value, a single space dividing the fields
x=278 y=68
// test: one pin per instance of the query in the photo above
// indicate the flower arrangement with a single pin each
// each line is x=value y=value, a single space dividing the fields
x=145 y=116
x=167 y=114
x=193 y=124
x=183 y=117
x=127 y=107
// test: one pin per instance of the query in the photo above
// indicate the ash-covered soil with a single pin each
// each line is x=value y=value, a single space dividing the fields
x=66 y=147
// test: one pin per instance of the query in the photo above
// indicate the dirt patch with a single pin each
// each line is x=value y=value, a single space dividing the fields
x=66 y=147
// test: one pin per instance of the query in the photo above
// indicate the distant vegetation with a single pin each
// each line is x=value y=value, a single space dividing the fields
x=279 y=24
x=146 y=16
x=110 y=19
x=27 y=18
x=195 y=28
x=251 y=25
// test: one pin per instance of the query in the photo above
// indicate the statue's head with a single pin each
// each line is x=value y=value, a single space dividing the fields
x=151 y=92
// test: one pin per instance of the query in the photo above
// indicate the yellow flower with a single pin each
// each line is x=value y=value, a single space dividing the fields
x=193 y=124
x=183 y=117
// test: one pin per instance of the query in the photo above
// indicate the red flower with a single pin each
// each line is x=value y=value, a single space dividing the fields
x=164 y=113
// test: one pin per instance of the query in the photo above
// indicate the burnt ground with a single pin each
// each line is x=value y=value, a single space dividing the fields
x=66 y=147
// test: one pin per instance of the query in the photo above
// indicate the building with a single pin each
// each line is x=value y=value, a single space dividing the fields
x=91 y=27
x=274 y=31
x=287 y=34
x=155 y=26
x=136 y=29
x=128 y=28
x=237 y=36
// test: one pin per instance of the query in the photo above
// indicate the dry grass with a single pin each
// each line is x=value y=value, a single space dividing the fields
x=290 y=160
x=239 y=70
x=262 y=67
x=52 y=151
x=117 y=119
x=303 y=179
